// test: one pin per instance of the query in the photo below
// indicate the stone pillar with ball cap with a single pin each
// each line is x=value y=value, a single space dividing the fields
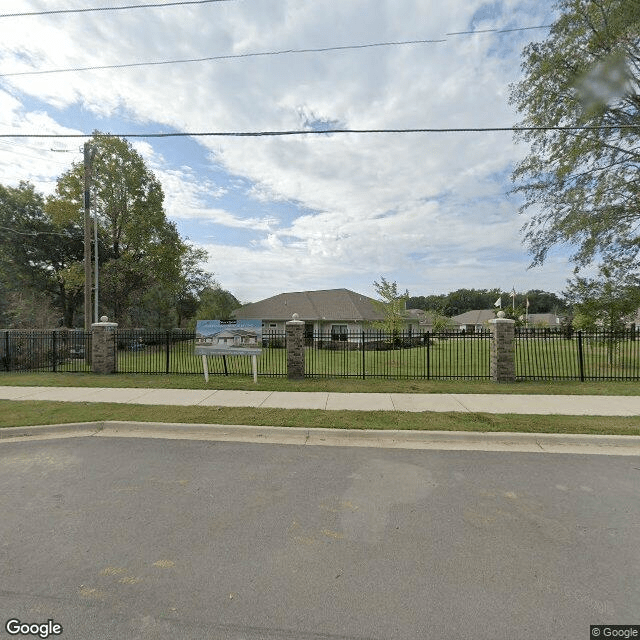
x=294 y=331
x=103 y=346
x=502 y=361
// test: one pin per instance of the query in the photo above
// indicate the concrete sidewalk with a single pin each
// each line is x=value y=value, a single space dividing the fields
x=439 y=402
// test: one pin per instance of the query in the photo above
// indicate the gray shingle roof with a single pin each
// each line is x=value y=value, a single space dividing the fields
x=330 y=304
x=543 y=318
x=476 y=316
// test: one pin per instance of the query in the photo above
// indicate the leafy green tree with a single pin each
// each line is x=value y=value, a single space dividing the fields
x=427 y=303
x=544 y=302
x=440 y=322
x=582 y=186
x=463 y=300
x=216 y=304
x=609 y=301
x=518 y=314
x=139 y=248
x=30 y=309
x=194 y=280
x=583 y=322
x=39 y=254
x=392 y=304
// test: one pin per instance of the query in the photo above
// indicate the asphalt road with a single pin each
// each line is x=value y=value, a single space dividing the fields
x=143 y=538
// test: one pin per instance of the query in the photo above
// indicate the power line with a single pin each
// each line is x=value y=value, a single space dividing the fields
x=305 y=132
x=40 y=233
x=224 y=57
x=237 y=56
x=463 y=33
x=120 y=8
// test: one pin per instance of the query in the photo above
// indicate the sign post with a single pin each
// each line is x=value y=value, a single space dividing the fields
x=229 y=338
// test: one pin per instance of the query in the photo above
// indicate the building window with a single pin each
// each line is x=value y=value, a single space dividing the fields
x=339 y=332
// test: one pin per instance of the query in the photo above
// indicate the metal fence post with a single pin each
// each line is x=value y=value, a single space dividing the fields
x=7 y=355
x=363 y=356
x=54 y=348
x=168 y=348
x=428 y=355
x=580 y=356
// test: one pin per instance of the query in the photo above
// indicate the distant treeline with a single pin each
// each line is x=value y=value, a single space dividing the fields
x=462 y=300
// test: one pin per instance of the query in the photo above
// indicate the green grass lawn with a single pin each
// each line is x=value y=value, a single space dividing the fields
x=21 y=413
x=443 y=359
x=348 y=385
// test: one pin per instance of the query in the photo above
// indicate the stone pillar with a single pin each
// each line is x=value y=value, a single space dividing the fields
x=294 y=330
x=103 y=346
x=503 y=363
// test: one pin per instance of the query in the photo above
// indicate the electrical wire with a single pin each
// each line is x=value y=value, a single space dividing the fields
x=464 y=33
x=41 y=233
x=130 y=65
x=6 y=147
x=153 y=5
x=304 y=132
x=214 y=58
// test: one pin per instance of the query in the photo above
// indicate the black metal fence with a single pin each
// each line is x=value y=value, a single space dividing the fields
x=401 y=355
x=173 y=352
x=543 y=354
x=63 y=350
x=539 y=354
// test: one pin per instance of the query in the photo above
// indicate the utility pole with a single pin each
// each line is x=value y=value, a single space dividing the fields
x=89 y=153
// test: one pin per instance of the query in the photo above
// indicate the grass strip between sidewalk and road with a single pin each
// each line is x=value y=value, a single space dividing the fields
x=339 y=385
x=17 y=413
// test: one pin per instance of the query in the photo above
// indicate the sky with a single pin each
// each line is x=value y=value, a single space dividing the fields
x=430 y=211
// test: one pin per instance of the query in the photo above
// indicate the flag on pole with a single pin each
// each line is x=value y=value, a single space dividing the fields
x=498 y=302
x=513 y=298
x=527 y=303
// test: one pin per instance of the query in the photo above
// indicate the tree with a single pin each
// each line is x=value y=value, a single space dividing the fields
x=440 y=322
x=609 y=301
x=38 y=254
x=463 y=300
x=583 y=186
x=139 y=248
x=193 y=281
x=392 y=305
x=544 y=302
x=427 y=303
x=216 y=304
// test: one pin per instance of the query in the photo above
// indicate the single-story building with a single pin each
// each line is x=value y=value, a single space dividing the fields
x=420 y=321
x=331 y=312
x=544 y=320
x=474 y=321
x=478 y=320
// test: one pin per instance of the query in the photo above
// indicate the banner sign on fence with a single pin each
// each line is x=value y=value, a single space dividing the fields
x=226 y=338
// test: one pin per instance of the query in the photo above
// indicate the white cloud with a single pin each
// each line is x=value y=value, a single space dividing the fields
x=367 y=203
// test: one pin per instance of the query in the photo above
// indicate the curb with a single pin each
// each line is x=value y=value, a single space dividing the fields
x=391 y=439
